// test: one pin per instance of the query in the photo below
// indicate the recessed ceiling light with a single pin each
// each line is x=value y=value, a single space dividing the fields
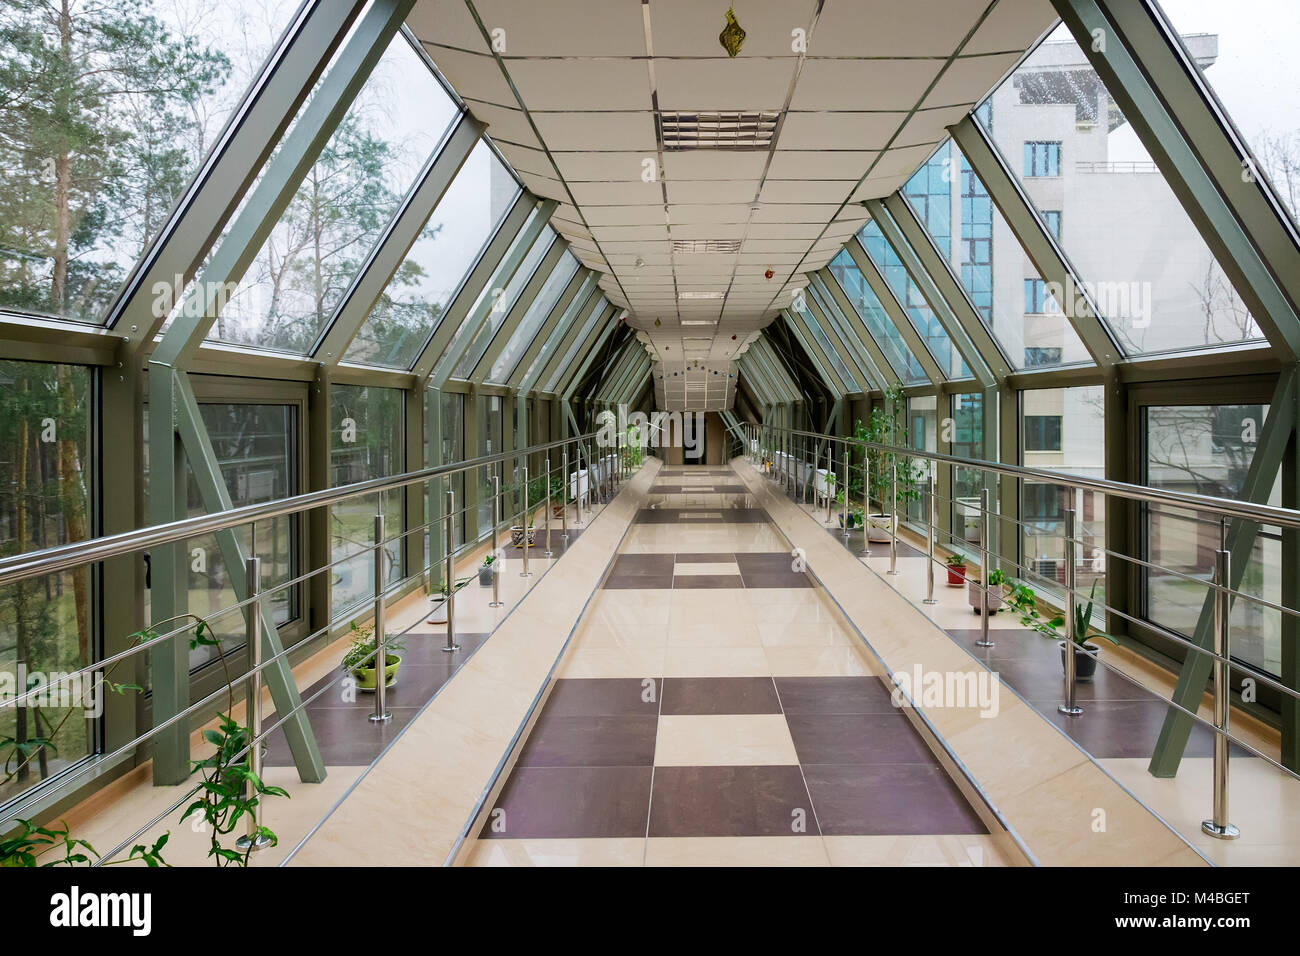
x=699 y=295
x=697 y=322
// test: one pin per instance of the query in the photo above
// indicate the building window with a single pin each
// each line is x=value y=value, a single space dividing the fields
x=1038 y=356
x=1038 y=301
x=1043 y=158
x=977 y=241
x=1052 y=217
x=1042 y=433
x=1043 y=503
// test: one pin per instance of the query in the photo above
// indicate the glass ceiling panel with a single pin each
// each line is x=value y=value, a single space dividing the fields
x=1006 y=289
x=909 y=295
x=85 y=189
x=832 y=352
x=342 y=207
x=448 y=248
x=503 y=301
x=532 y=321
x=1253 y=75
x=1133 y=246
x=873 y=315
x=588 y=327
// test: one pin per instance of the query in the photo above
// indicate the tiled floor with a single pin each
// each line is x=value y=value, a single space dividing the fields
x=714 y=709
x=1120 y=722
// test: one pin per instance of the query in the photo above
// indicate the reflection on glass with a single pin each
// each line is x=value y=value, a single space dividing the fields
x=365 y=442
x=967 y=442
x=1061 y=429
x=1207 y=450
x=1128 y=237
x=922 y=433
x=584 y=334
x=450 y=244
x=46 y=623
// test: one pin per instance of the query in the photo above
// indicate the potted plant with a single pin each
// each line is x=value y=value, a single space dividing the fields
x=956 y=570
x=1085 y=651
x=975 y=591
x=887 y=425
x=487 y=569
x=439 y=615
x=359 y=661
x=558 y=497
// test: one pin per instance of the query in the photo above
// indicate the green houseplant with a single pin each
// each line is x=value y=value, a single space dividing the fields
x=887 y=425
x=439 y=614
x=359 y=661
x=975 y=592
x=956 y=570
x=1023 y=600
x=487 y=569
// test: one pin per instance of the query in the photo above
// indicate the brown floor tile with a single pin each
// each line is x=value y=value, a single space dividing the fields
x=888 y=798
x=587 y=741
x=571 y=802
x=719 y=695
x=834 y=695
x=730 y=801
x=595 y=697
x=857 y=739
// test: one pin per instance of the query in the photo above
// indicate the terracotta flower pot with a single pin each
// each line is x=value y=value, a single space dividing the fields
x=956 y=575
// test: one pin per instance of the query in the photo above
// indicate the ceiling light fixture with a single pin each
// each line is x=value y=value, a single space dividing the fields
x=699 y=295
x=689 y=246
x=728 y=129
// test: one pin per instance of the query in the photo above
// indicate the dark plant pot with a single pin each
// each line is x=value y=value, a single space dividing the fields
x=557 y=511
x=485 y=575
x=1085 y=660
x=956 y=576
x=365 y=676
x=517 y=536
x=974 y=591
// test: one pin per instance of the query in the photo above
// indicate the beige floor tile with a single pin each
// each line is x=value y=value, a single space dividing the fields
x=956 y=850
x=716 y=662
x=844 y=661
x=611 y=852
x=732 y=740
x=736 y=851
x=629 y=661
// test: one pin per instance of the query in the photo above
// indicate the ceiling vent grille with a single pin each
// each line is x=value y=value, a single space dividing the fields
x=696 y=246
x=723 y=130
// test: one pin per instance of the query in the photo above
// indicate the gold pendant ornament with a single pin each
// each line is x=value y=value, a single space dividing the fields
x=732 y=35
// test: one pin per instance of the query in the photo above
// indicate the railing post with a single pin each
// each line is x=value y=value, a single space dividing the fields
x=866 y=502
x=985 y=569
x=449 y=535
x=548 y=552
x=929 y=541
x=893 y=518
x=1218 y=826
x=830 y=474
x=564 y=494
x=1071 y=706
x=523 y=545
x=844 y=509
x=497 y=557
x=253 y=707
x=380 y=660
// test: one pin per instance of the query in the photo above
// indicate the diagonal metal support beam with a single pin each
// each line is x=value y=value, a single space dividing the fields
x=567 y=306
x=1275 y=437
x=461 y=338
x=856 y=350
x=242 y=149
x=797 y=324
x=956 y=304
x=600 y=333
x=548 y=369
x=519 y=311
x=894 y=309
x=1038 y=242
x=958 y=337
x=859 y=328
x=473 y=285
x=400 y=235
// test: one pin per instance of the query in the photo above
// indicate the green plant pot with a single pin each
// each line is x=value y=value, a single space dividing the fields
x=365 y=676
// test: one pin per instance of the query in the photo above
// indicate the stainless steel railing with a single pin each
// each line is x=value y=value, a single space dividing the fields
x=789 y=455
x=594 y=476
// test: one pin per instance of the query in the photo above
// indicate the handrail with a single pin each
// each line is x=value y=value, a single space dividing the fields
x=1248 y=511
x=778 y=443
x=62 y=557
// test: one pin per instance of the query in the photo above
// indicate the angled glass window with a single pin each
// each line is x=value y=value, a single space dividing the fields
x=909 y=295
x=988 y=260
x=503 y=300
x=1246 y=50
x=142 y=92
x=832 y=351
x=341 y=208
x=576 y=313
x=584 y=334
x=851 y=343
x=1131 y=243
x=532 y=321
x=448 y=248
x=873 y=315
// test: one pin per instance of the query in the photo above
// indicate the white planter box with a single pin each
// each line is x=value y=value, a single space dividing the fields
x=578 y=483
